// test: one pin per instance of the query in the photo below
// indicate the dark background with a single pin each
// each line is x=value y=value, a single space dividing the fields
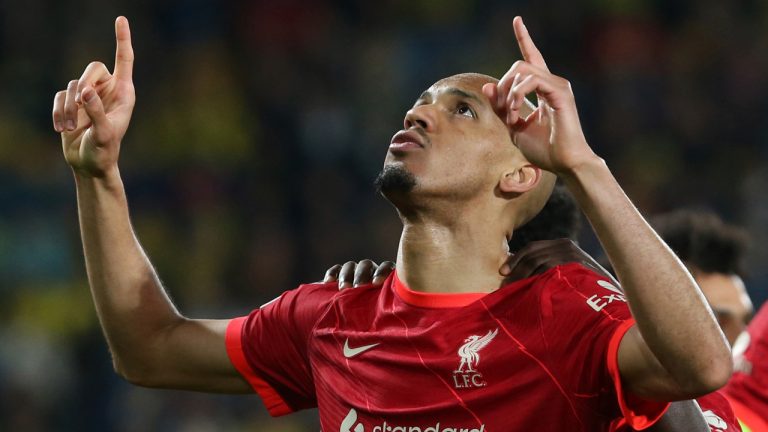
x=258 y=129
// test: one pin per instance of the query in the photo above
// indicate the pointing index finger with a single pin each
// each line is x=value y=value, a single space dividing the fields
x=124 y=52
x=531 y=54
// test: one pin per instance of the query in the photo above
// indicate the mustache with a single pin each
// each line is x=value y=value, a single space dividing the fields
x=422 y=133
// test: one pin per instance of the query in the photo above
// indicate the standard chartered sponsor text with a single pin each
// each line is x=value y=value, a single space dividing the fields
x=351 y=420
x=385 y=427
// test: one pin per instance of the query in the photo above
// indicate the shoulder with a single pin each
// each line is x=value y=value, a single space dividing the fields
x=576 y=275
x=569 y=285
x=572 y=290
x=314 y=298
x=295 y=312
x=578 y=281
x=306 y=295
x=300 y=306
x=316 y=292
x=329 y=292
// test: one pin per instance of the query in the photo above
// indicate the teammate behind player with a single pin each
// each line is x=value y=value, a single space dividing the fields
x=465 y=171
x=714 y=252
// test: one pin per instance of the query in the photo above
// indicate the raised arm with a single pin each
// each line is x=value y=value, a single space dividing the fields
x=151 y=343
x=677 y=350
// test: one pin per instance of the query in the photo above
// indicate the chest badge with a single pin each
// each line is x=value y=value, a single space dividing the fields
x=467 y=375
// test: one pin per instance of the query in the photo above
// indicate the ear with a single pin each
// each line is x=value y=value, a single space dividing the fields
x=520 y=180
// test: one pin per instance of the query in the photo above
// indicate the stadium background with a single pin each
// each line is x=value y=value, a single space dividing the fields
x=260 y=125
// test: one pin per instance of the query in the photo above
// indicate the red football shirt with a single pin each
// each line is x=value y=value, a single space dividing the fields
x=748 y=388
x=538 y=354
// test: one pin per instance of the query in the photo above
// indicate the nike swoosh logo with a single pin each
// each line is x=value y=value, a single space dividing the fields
x=351 y=352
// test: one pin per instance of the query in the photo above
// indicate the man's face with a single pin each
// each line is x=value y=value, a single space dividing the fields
x=729 y=300
x=453 y=143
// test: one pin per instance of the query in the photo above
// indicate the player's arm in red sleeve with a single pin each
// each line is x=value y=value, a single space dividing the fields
x=676 y=350
x=151 y=343
x=539 y=256
x=588 y=317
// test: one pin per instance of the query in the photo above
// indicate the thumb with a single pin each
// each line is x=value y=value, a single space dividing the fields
x=541 y=116
x=95 y=109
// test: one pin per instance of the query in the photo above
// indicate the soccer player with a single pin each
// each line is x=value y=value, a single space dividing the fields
x=541 y=244
x=444 y=344
x=713 y=251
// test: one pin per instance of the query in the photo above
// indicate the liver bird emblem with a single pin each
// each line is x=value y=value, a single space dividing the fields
x=469 y=352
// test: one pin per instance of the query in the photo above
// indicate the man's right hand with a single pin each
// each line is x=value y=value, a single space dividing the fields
x=93 y=113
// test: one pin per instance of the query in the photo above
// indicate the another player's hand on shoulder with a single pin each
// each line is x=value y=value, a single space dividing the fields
x=539 y=256
x=354 y=274
x=551 y=137
x=94 y=111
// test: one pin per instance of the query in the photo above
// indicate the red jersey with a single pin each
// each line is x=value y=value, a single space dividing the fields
x=748 y=388
x=718 y=413
x=538 y=354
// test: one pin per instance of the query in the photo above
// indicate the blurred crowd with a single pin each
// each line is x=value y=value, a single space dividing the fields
x=260 y=125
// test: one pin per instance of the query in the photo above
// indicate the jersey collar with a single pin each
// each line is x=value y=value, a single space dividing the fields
x=433 y=300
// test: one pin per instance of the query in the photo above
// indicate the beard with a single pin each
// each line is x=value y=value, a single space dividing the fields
x=394 y=180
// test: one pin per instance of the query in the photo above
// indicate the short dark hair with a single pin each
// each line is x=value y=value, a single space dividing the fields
x=560 y=218
x=703 y=241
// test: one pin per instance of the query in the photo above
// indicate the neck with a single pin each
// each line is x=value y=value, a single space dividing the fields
x=452 y=253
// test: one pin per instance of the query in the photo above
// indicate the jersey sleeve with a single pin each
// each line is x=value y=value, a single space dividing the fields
x=269 y=347
x=589 y=317
x=714 y=407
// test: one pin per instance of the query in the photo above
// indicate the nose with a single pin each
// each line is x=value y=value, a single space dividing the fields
x=422 y=116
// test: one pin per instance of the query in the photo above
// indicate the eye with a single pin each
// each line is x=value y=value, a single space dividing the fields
x=465 y=110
